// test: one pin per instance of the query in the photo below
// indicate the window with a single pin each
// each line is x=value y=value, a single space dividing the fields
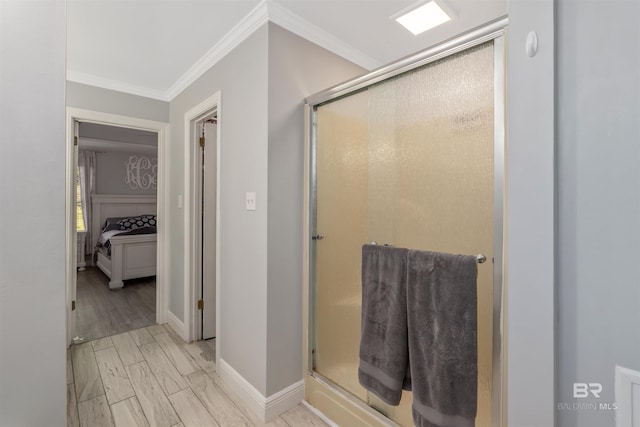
x=79 y=216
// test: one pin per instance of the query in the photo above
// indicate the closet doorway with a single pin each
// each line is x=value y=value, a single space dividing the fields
x=410 y=157
x=205 y=201
x=202 y=130
x=148 y=262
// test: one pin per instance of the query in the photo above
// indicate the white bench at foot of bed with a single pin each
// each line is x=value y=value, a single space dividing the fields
x=132 y=257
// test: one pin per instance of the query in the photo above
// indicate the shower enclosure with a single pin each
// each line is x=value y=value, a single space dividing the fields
x=411 y=156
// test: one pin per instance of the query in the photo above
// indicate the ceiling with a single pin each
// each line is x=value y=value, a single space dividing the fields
x=156 y=48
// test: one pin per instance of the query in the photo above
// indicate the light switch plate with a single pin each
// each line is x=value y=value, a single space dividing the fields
x=251 y=201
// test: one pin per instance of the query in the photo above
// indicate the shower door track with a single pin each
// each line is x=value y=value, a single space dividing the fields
x=493 y=31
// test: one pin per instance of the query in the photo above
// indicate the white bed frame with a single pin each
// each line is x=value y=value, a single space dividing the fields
x=131 y=256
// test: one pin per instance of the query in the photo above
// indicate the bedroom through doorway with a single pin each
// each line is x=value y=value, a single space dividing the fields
x=114 y=243
x=116 y=227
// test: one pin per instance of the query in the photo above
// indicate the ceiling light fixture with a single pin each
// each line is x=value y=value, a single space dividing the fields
x=422 y=18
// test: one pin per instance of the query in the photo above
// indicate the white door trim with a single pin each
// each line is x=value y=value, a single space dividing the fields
x=627 y=382
x=81 y=115
x=191 y=242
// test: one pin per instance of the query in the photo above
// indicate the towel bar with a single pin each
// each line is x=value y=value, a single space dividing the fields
x=385 y=244
x=481 y=258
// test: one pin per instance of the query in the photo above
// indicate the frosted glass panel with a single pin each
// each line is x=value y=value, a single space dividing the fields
x=342 y=170
x=408 y=162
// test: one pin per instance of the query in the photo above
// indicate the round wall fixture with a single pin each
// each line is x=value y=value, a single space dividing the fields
x=532 y=44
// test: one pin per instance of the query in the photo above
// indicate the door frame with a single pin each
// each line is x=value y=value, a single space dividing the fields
x=192 y=223
x=162 y=129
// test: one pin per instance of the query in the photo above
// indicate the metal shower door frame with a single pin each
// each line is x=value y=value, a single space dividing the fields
x=494 y=31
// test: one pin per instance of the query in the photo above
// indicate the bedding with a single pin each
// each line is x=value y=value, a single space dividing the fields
x=129 y=256
x=122 y=226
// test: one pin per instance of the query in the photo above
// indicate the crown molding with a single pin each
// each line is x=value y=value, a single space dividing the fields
x=265 y=11
x=288 y=20
x=247 y=26
x=118 y=86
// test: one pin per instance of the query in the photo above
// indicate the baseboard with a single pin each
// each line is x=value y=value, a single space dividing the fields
x=284 y=400
x=266 y=408
x=177 y=325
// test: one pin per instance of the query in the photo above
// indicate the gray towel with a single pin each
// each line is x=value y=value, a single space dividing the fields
x=442 y=325
x=383 y=341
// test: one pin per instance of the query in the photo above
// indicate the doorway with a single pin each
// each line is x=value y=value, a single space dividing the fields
x=202 y=125
x=206 y=177
x=117 y=177
x=74 y=117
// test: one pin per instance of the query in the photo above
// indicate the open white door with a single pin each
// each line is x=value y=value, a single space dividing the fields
x=209 y=196
x=72 y=251
x=202 y=216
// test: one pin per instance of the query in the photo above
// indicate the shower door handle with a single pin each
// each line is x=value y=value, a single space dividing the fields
x=317 y=237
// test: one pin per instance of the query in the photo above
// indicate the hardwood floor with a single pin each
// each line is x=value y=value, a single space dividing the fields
x=150 y=377
x=102 y=312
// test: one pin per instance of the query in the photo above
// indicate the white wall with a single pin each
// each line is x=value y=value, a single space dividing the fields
x=297 y=69
x=32 y=213
x=530 y=217
x=598 y=106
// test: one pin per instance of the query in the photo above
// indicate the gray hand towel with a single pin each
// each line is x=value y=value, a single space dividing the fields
x=383 y=341
x=442 y=324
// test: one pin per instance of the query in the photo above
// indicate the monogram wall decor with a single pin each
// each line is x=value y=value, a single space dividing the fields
x=142 y=172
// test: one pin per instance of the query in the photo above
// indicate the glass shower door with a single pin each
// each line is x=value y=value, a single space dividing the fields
x=409 y=162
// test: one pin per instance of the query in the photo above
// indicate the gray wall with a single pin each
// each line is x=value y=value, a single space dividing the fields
x=32 y=212
x=530 y=217
x=241 y=76
x=263 y=83
x=111 y=173
x=297 y=69
x=598 y=104
x=110 y=101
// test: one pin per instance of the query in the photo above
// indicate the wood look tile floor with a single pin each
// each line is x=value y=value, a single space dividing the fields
x=150 y=377
x=102 y=312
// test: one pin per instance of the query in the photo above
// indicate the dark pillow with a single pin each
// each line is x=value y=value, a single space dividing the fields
x=134 y=222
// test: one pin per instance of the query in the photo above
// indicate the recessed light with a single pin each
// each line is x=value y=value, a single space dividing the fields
x=422 y=18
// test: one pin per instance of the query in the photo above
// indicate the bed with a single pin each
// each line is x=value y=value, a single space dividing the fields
x=130 y=254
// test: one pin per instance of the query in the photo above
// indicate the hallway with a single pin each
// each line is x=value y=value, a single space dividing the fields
x=150 y=377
